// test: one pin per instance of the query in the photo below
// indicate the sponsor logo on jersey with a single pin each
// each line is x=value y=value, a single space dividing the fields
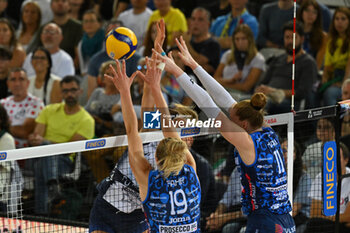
x=180 y=228
x=95 y=143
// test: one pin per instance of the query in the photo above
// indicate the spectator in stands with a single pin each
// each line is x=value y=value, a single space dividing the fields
x=122 y=5
x=312 y=157
x=315 y=39
x=223 y=27
x=148 y=44
x=101 y=56
x=271 y=20
x=9 y=40
x=62 y=63
x=326 y=14
x=52 y=127
x=71 y=29
x=92 y=40
x=45 y=8
x=241 y=66
x=136 y=18
x=22 y=107
x=102 y=100
x=44 y=84
x=277 y=82
x=5 y=59
x=301 y=187
x=78 y=7
x=30 y=24
x=175 y=20
x=11 y=175
x=319 y=222
x=202 y=46
x=337 y=59
x=228 y=216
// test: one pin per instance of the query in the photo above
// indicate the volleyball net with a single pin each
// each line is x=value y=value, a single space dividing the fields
x=52 y=188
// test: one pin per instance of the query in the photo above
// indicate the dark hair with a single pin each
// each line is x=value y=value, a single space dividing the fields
x=316 y=33
x=252 y=110
x=334 y=35
x=48 y=71
x=4 y=119
x=205 y=11
x=13 y=41
x=5 y=53
x=69 y=79
x=91 y=11
x=289 y=26
x=149 y=43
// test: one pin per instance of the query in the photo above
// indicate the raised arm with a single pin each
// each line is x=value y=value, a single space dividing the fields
x=153 y=77
x=216 y=91
x=229 y=130
x=138 y=163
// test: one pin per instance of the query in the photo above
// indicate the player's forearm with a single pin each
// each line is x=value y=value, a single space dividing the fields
x=129 y=115
x=215 y=89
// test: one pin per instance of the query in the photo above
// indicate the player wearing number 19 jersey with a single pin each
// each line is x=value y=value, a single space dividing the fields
x=172 y=203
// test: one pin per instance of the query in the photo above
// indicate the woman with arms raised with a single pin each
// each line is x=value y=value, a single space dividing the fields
x=258 y=152
x=175 y=180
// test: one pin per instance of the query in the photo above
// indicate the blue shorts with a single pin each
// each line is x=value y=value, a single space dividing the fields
x=105 y=217
x=264 y=221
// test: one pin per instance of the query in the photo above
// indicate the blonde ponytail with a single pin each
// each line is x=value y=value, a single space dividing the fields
x=171 y=156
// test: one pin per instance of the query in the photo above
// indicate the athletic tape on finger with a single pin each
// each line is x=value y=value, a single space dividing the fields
x=161 y=66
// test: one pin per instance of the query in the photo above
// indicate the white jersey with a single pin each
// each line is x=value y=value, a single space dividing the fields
x=18 y=112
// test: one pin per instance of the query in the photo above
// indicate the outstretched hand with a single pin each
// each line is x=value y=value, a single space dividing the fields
x=153 y=74
x=121 y=81
x=185 y=55
x=170 y=65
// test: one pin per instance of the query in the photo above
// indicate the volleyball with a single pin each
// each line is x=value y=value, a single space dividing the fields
x=121 y=43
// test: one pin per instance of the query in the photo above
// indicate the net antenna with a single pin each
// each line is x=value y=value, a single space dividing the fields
x=293 y=66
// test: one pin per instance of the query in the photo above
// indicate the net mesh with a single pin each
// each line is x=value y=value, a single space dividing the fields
x=56 y=186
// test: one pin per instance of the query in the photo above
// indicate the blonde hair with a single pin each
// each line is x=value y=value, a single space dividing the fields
x=184 y=111
x=171 y=155
x=105 y=66
x=252 y=50
x=252 y=110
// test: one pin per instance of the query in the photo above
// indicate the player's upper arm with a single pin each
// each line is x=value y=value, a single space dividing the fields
x=238 y=137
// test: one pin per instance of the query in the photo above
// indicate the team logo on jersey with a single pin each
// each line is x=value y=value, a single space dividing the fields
x=151 y=120
x=3 y=155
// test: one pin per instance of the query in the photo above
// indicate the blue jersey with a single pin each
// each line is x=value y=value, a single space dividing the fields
x=264 y=182
x=173 y=204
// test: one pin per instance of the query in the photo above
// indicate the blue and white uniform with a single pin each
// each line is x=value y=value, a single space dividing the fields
x=118 y=207
x=173 y=204
x=264 y=186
